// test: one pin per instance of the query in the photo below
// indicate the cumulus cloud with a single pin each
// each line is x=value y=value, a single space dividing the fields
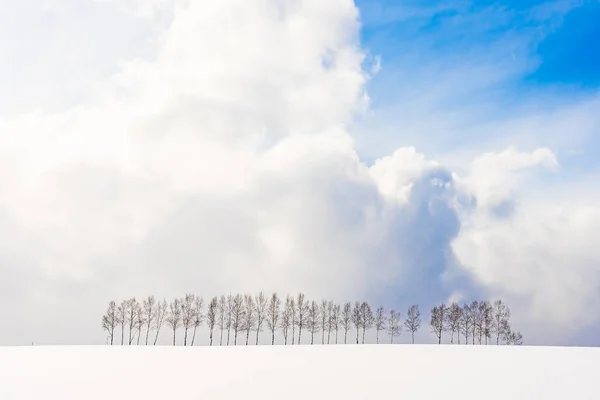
x=219 y=159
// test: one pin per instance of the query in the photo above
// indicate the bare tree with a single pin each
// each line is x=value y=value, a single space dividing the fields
x=454 y=313
x=229 y=319
x=394 y=328
x=162 y=310
x=140 y=320
x=174 y=317
x=249 y=321
x=287 y=317
x=187 y=314
x=149 y=305
x=293 y=318
x=487 y=316
x=131 y=312
x=511 y=337
x=475 y=320
x=301 y=314
x=324 y=317
x=367 y=318
x=312 y=320
x=346 y=319
x=198 y=316
x=334 y=321
x=273 y=315
x=380 y=321
x=260 y=301
x=413 y=321
x=356 y=318
x=437 y=321
x=500 y=313
x=466 y=320
x=109 y=320
x=237 y=316
x=221 y=315
x=211 y=317
x=122 y=319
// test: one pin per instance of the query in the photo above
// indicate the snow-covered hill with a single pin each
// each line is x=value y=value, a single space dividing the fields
x=366 y=372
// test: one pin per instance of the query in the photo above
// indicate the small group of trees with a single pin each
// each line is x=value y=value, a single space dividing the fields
x=236 y=317
x=479 y=321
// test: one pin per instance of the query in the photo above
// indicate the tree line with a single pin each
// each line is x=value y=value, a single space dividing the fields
x=234 y=318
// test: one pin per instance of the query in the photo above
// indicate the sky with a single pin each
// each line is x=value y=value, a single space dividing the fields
x=392 y=151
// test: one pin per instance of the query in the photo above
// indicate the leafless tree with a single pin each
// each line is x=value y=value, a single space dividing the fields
x=454 y=313
x=249 y=321
x=346 y=320
x=475 y=320
x=149 y=305
x=380 y=321
x=237 y=316
x=273 y=315
x=187 y=314
x=394 y=328
x=312 y=320
x=198 y=316
x=109 y=320
x=466 y=320
x=438 y=321
x=287 y=317
x=122 y=319
x=487 y=317
x=162 y=310
x=221 y=315
x=367 y=318
x=260 y=302
x=324 y=317
x=334 y=321
x=511 y=337
x=301 y=314
x=174 y=317
x=140 y=320
x=131 y=312
x=500 y=313
x=413 y=321
x=356 y=318
x=229 y=319
x=293 y=318
x=211 y=317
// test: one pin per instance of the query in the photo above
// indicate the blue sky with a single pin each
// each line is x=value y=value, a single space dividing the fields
x=497 y=60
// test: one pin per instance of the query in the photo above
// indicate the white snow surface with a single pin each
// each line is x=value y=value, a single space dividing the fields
x=366 y=372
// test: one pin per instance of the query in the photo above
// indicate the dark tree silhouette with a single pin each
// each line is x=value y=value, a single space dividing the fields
x=356 y=319
x=221 y=317
x=122 y=319
x=287 y=318
x=237 y=316
x=335 y=320
x=198 y=316
x=249 y=321
x=454 y=313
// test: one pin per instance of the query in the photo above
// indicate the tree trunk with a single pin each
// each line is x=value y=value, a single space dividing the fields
x=122 y=334
x=258 y=330
x=413 y=336
x=221 y=339
x=247 y=336
x=363 y=336
x=272 y=338
x=211 y=338
x=174 y=333
x=156 y=337
x=147 y=334
x=194 y=335
x=185 y=337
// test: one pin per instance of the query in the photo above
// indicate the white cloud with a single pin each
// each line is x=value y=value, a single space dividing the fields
x=218 y=159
